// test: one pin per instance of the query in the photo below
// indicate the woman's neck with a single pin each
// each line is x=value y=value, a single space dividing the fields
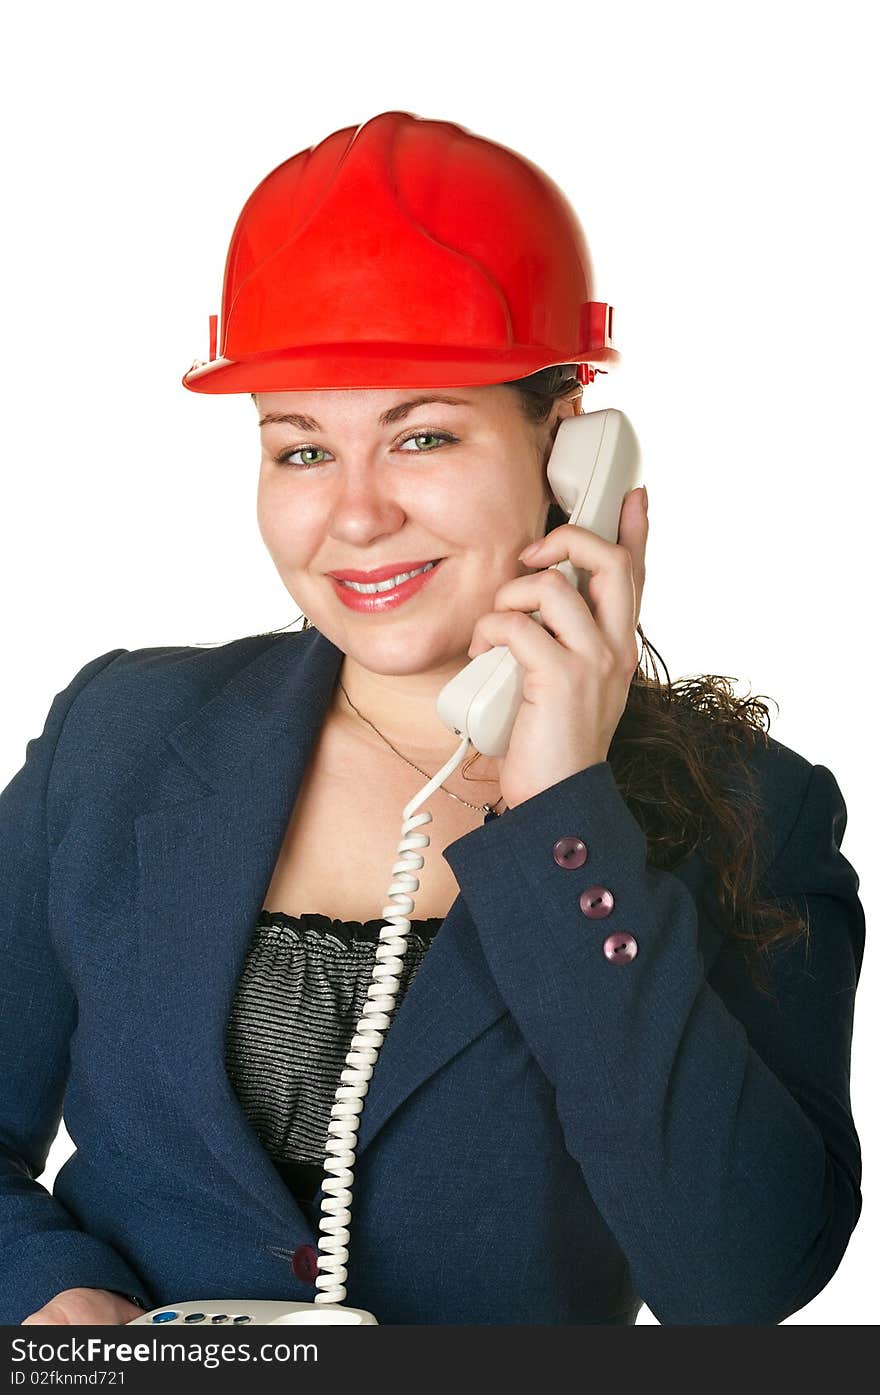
x=403 y=709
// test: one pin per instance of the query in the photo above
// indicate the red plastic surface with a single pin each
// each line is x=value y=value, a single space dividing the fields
x=404 y=252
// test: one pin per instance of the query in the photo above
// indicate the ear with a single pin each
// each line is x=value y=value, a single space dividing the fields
x=570 y=406
x=562 y=408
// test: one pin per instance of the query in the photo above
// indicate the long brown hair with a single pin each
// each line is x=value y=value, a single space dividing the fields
x=680 y=757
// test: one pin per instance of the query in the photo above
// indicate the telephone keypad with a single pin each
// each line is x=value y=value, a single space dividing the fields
x=199 y=1317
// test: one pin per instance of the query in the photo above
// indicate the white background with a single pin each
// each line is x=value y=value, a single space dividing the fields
x=720 y=159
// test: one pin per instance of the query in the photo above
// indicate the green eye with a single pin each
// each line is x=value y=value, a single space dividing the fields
x=426 y=436
x=287 y=457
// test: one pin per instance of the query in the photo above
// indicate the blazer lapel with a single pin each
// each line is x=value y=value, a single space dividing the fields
x=205 y=861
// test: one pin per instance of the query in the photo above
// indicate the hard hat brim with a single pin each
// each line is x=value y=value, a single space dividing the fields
x=329 y=366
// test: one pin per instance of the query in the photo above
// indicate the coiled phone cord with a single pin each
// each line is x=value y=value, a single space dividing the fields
x=365 y=1044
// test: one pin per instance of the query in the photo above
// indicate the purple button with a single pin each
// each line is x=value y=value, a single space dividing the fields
x=569 y=852
x=305 y=1263
x=597 y=902
x=620 y=948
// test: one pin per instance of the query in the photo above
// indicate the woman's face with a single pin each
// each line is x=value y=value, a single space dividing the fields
x=362 y=480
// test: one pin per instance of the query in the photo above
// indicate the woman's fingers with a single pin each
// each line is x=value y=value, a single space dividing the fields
x=74 y=1307
x=605 y=611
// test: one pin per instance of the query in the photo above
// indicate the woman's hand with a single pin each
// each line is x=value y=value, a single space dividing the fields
x=87 y=1307
x=578 y=671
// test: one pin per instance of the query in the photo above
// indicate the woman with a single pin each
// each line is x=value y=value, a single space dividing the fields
x=566 y=1119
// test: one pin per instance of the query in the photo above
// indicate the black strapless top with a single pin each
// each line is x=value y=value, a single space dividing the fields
x=299 y=998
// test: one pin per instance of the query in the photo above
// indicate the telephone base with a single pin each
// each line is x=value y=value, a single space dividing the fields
x=229 y=1312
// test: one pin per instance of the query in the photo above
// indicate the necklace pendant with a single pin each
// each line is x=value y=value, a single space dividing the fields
x=490 y=814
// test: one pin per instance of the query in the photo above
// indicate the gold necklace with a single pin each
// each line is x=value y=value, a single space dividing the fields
x=487 y=809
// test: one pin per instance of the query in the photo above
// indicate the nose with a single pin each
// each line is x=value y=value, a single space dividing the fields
x=363 y=507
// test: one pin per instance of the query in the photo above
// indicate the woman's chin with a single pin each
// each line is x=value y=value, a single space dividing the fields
x=399 y=652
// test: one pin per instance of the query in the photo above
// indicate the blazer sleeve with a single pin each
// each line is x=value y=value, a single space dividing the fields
x=711 y=1124
x=43 y=1250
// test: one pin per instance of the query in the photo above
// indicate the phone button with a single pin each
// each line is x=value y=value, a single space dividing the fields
x=569 y=852
x=597 y=902
x=621 y=948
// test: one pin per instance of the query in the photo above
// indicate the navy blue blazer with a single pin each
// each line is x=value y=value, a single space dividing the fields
x=548 y=1136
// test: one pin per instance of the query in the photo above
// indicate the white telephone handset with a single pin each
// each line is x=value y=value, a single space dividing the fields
x=593 y=465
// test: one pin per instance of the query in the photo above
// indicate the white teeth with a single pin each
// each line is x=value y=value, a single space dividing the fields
x=391 y=582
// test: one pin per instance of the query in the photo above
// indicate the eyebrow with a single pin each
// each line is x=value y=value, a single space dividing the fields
x=393 y=414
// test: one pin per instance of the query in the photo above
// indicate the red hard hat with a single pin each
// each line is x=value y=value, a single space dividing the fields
x=403 y=252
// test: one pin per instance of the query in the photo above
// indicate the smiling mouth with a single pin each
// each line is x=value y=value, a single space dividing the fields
x=390 y=584
x=388 y=595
